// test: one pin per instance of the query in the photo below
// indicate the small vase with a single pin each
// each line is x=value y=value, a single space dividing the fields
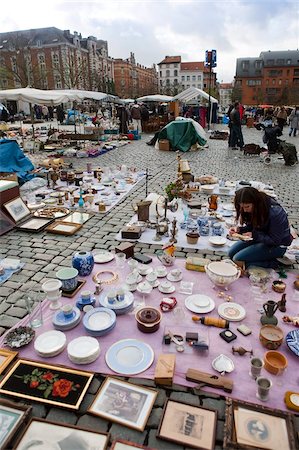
x=83 y=262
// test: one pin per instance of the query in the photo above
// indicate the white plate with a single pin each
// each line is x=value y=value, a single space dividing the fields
x=50 y=342
x=231 y=311
x=83 y=347
x=99 y=319
x=170 y=277
x=223 y=364
x=102 y=256
x=228 y=207
x=34 y=206
x=144 y=270
x=129 y=357
x=217 y=240
x=198 y=303
x=166 y=291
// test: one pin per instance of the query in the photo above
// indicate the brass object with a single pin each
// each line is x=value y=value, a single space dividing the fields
x=241 y=350
x=111 y=280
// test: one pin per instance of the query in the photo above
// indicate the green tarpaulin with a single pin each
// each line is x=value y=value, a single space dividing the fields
x=182 y=134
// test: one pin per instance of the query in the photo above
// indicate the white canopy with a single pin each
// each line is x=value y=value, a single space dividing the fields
x=193 y=92
x=155 y=98
x=51 y=97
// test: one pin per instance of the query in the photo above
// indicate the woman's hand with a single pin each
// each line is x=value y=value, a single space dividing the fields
x=233 y=230
x=248 y=234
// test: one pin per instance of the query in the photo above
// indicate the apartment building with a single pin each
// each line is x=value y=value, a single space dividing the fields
x=272 y=78
x=132 y=79
x=225 y=95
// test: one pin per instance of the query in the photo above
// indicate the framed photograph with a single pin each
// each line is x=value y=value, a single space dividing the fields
x=187 y=425
x=6 y=224
x=34 y=224
x=6 y=357
x=249 y=426
x=17 y=209
x=12 y=416
x=46 y=383
x=77 y=217
x=66 y=228
x=121 y=444
x=123 y=402
x=40 y=434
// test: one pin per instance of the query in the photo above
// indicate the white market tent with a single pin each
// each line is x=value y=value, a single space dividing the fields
x=192 y=93
x=155 y=98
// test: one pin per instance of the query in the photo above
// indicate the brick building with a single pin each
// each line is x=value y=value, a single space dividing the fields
x=134 y=80
x=49 y=58
x=271 y=78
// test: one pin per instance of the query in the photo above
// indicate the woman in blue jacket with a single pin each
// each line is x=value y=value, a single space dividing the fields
x=265 y=226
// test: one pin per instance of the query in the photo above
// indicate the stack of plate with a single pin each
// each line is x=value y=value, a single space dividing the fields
x=231 y=311
x=99 y=321
x=50 y=343
x=119 y=307
x=83 y=350
x=63 y=323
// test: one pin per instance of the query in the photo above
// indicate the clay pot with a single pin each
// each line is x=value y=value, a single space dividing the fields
x=279 y=286
x=271 y=336
x=275 y=362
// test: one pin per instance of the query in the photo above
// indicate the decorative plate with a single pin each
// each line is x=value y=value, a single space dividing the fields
x=66 y=323
x=19 y=337
x=52 y=212
x=223 y=364
x=217 y=240
x=99 y=319
x=292 y=340
x=198 y=303
x=129 y=357
x=102 y=256
x=231 y=311
x=50 y=343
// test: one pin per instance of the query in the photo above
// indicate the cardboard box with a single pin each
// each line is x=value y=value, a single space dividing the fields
x=164 y=145
x=164 y=371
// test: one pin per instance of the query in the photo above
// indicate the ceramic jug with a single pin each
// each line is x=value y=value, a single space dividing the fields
x=270 y=308
x=213 y=204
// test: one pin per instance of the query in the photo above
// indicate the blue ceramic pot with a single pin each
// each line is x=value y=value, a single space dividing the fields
x=83 y=262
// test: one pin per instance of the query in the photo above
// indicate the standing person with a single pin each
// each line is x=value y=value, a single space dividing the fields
x=236 y=128
x=231 y=107
x=45 y=112
x=281 y=117
x=60 y=114
x=136 y=116
x=144 y=116
x=265 y=223
x=294 y=121
x=123 y=116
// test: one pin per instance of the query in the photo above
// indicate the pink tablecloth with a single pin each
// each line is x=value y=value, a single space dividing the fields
x=244 y=386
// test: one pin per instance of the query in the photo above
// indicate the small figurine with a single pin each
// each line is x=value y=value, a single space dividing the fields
x=282 y=303
x=98 y=289
x=293 y=320
x=241 y=350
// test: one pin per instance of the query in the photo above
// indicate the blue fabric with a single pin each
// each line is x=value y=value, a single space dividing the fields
x=12 y=159
x=8 y=272
x=256 y=254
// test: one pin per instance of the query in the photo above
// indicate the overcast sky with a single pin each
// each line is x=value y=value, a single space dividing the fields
x=153 y=29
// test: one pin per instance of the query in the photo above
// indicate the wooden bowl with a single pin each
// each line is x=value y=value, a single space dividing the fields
x=279 y=286
x=271 y=336
x=275 y=362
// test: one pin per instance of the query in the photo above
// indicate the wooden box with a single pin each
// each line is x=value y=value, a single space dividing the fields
x=9 y=176
x=8 y=191
x=164 y=145
x=164 y=371
x=131 y=232
x=197 y=264
x=127 y=248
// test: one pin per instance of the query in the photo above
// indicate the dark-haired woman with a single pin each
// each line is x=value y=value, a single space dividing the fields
x=265 y=223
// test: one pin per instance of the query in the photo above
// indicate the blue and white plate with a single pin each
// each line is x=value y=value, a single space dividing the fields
x=119 y=307
x=99 y=321
x=129 y=357
x=292 y=340
x=63 y=323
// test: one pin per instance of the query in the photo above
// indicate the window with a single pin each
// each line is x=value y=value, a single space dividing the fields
x=183 y=77
x=258 y=64
x=296 y=72
x=188 y=77
x=267 y=82
x=160 y=73
x=167 y=81
x=198 y=77
x=253 y=82
x=193 y=78
x=280 y=81
x=175 y=73
x=245 y=65
x=286 y=82
x=161 y=83
x=183 y=86
x=270 y=62
x=280 y=62
x=273 y=81
x=168 y=73
x=193 y=85
x=38 y=43
x=57 y=80
x=175 y=81
x=199 y=86
x=175 y=65
x=55 y=60
x=188 y=85
x=167 y=66
x=289 y=62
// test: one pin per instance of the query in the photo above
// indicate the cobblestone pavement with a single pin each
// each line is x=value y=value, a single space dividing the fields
x=44 y=254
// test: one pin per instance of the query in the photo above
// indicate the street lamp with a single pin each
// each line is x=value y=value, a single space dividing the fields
x=210 y=62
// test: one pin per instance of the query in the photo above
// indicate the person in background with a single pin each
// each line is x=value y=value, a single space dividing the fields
x=136 y=116
x=264 y=223
x=294 y=121
x=281 y=117
x=45 y=112
x=236 y=127
x=144 y=116
x=60 y=114
x=231 y=107
x=123 y=116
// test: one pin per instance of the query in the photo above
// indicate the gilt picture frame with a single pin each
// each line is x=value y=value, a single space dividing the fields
x=12 y=416
x=17 y=209
x=64 y=228
x=46 y=383
x=6 y=357
x=124 y=403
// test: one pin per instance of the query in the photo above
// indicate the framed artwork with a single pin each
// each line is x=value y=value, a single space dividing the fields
x=121 y=444
x=123 y=402
x=17 y=209
x=49 y=435
x=6 y=224
x=55 y=385
x=249 y=426
x=66 y=228
x=34 y=224
x=77 y=217
x=6 y=357
x=190 y=426
x=12 y=416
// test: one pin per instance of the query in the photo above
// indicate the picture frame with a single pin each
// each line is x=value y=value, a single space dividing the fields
x=77 y=217
x=187 y=425
x=6 y=224
x=249 y=426
x=12 y=416
x=51 y=384
x=121 y=444
x=17 y=209
x=48 y=434
x=123 y=402
x=34 y=224
x=6 y=357
x=65 y=228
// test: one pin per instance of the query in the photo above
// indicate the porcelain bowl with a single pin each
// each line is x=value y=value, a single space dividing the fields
x=222 y=273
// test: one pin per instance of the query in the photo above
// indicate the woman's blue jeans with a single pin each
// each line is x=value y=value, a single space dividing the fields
x=255 y=254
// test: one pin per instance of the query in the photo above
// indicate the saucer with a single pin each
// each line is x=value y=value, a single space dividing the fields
x=217 y=241
x=145 y=270
x=198 y=303
x=166 y=291
x=170 y=277
x=161 y=274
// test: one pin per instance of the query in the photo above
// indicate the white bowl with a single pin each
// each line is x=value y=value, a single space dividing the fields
x=208 y=188
x=222 y=273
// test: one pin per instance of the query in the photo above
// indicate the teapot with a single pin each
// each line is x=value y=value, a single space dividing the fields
x=213 y=204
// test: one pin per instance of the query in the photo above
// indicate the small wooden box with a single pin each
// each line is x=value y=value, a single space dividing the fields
x=197 y=264
x=164 y=371
x=127 y=248
x=131 y=232
x=8 y=191
x=164 y=145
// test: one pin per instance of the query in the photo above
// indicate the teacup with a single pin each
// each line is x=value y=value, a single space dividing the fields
x=166 y=285
x=120 y=295
x=111 y=297
x=151 y=278
x=145 y=287
x=85 y=296
x=144 y=269
x=176 y=273
x=133 y=264
x=67 y=311
x=161 y=271
x=68 y=278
